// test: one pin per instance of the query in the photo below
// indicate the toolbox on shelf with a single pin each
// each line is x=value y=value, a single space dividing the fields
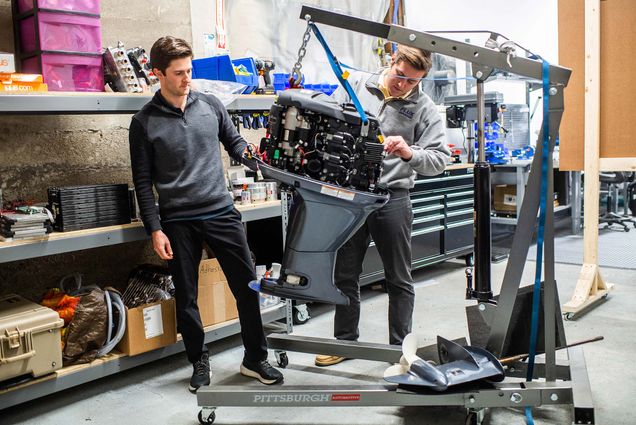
x=30 y=341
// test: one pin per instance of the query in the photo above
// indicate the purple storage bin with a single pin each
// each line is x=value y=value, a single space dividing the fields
x=83 y=6
x=62 y=32
x=67 y=72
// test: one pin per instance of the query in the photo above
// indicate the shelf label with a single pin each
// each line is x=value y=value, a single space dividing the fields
x=153 y=322
x=510 y=199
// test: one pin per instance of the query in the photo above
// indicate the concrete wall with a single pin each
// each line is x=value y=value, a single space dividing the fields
x=37 y=152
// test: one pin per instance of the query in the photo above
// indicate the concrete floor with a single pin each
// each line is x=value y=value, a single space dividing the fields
x=156 y=393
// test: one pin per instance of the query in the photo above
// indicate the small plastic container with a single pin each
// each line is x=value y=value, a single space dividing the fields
x=271 y=191
x=81 y=6
x=60 y=32
x=279 y=81
x=258 y=192
x=64 y=72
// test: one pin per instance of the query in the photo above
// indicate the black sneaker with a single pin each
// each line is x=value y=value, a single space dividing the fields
x=201 y=374
x=262 y=371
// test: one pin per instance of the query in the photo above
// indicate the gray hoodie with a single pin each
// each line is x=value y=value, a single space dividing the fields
x=414 y=117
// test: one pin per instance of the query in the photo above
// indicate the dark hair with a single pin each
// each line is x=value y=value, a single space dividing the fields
x=419 y=59
x=166 y=49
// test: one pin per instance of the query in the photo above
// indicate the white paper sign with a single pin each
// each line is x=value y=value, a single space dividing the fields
x=153 y=322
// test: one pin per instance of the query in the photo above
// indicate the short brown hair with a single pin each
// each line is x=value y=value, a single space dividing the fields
x=166 y=49
x=418 y=58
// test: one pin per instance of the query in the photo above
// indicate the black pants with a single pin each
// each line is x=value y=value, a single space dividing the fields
x=226 y=237
x=390 y=227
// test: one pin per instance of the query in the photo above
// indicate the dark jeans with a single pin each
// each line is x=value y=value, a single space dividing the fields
x=390 y=227
x=226 y=237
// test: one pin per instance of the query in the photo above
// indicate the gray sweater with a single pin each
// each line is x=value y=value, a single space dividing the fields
x=414 y=117
x=178 y=152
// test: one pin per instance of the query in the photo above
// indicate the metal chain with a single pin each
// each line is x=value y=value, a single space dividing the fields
x=296 y=73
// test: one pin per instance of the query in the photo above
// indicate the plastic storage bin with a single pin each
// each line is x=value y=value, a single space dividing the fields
x=250 y=81
x=67 y=72
x=82 y=6
x=281 y=82
x=60 y=32
x=280 y=79
x=220 y=68
x=29 y=338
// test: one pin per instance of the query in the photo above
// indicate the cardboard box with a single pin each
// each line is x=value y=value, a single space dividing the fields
x=216 y=302
x=149 y=327
x=20 y=83
x=505 y=198
x=7 y=62
x=617 y=69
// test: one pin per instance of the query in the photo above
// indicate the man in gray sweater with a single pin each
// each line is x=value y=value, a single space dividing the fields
x=175 y=146
x=414 y=143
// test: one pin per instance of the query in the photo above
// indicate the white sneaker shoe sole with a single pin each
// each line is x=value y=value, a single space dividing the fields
x=193 y=390
x=247 y=372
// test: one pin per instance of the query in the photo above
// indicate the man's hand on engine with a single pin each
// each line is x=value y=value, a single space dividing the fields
x=397 y=146
x=249 y=158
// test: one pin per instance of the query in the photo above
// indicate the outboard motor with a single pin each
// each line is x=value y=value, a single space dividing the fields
x=333 y=161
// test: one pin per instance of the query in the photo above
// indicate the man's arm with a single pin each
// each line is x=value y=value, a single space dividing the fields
x=430 y=154
x=233 y=142
x=141 y=164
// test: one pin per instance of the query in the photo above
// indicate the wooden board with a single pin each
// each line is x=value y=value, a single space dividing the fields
x=618 y=74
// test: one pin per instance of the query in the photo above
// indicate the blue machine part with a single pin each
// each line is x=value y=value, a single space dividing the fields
x=496 y=151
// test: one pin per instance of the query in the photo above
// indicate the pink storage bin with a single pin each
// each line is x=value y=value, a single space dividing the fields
x=84 y=6
x=67 y=72
x=61 y=31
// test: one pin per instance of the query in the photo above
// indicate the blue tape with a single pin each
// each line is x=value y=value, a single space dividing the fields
x=396 y=8
x=337 y=69
x=534 y=326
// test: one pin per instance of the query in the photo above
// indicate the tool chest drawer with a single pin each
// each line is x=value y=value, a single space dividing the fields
x=443 y=210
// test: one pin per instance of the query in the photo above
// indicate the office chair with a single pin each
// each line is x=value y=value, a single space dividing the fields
x=611 y=216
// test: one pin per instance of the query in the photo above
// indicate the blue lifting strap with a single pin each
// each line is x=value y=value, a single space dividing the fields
x=534 y=329
x=337 y=69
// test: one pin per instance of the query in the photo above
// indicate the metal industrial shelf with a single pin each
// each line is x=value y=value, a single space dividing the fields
x=112 y=103
x=116 y=362
x=60 y=242
x=105 y=103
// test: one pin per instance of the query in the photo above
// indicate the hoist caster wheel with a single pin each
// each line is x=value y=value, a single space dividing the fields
x=282 y=360
x=206 y=421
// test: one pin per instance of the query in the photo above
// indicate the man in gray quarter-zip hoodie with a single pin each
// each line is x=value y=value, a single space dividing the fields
x=175 y=146
x=414 y=143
